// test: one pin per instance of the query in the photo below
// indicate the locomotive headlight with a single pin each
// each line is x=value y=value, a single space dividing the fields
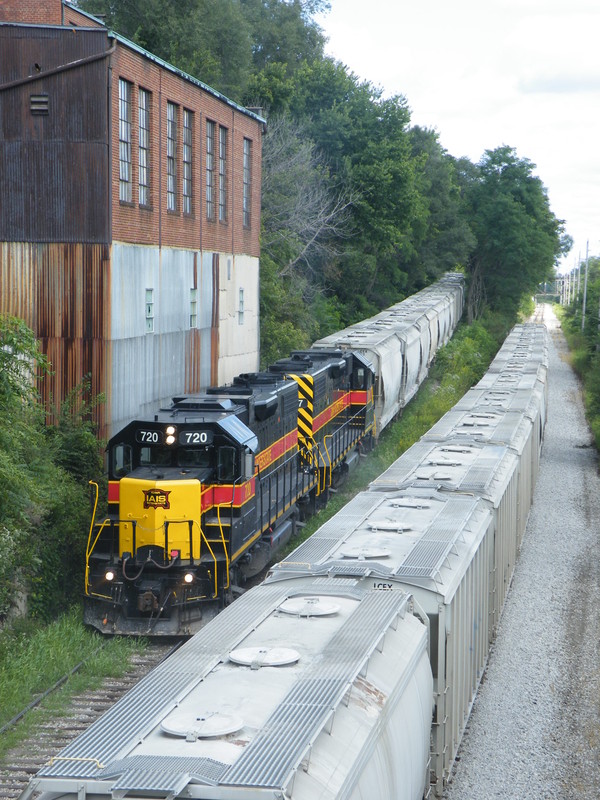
x=109 y=575
x=170 y=431
x=188 y=577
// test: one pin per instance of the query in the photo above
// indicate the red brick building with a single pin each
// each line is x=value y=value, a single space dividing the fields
x=129 y=212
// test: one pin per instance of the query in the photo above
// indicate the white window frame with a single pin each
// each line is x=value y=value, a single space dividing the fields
x=171 y=157
x=124 y=141
x=210 y=169
x=247 y=184
x=188 y=154
x=222 y=174
x=144 y=101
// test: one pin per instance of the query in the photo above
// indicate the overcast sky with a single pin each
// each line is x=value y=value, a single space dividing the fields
x=483 y=73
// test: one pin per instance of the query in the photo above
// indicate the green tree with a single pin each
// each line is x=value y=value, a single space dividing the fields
x=209 y=39
x=304 y=217
x=224 y=43
x=284 y=32
x=518 y=237
x=444 y=239
x=365 y=141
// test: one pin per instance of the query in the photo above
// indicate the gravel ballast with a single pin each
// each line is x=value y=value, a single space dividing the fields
x=534 y=732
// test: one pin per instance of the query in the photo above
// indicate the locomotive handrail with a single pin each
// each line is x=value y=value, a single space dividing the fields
x=311 y=454
x=191 y=523
x=224 y=549
x=89 y=552
x=328 y=466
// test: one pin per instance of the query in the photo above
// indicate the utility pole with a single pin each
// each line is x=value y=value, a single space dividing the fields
x=587 y=259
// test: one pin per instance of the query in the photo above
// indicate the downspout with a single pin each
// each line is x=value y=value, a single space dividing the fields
x=159 y=165
x=231 y=159
x=110 y=149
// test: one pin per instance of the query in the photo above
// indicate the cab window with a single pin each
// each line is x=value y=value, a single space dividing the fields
x=226 y=468
x=155 y=457
x=121 y=460
x=188 y=457
x=360 y=378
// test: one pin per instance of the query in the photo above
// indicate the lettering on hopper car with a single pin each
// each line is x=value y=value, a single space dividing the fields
x=382 y=586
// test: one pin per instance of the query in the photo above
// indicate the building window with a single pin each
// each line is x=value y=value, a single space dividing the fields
x=188 y=130
x=124 y=141
x=144 y=147
x=241 y=308
x=210 y=169
x=247 y=186
x=171 y=157
x=193 y=308
x=222 y=174
x=149 y=310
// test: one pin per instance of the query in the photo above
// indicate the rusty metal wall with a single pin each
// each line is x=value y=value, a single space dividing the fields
x=54 y=168
x=61 y=291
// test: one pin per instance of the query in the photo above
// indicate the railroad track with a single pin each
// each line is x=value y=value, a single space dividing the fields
x=51 y=735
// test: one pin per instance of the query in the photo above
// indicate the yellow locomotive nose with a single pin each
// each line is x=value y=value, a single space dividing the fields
x=163 y=512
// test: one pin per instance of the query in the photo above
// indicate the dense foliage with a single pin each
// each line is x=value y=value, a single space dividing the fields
x=583 y=333
x=359 y=208
x=44 y=470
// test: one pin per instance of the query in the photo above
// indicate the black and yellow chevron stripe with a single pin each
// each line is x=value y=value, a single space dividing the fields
x=306 y=393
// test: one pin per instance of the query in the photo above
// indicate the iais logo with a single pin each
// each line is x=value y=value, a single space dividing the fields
x=156 y=498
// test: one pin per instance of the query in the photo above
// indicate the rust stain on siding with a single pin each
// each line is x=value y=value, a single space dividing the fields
x=61 y=291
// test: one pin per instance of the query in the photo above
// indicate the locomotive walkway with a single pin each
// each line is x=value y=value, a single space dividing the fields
x=534 y=733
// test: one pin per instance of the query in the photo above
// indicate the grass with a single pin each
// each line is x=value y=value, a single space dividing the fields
x=33 y=657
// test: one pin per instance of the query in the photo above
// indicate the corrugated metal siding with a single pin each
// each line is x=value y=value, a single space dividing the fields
x=61 y=158
x=149 y=368
x=61 y=291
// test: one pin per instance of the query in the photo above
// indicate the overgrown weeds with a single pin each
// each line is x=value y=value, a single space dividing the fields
x=34 y=656
x=585 y=360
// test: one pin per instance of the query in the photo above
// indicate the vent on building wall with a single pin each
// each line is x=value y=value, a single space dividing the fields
x=241 y=308
x=39 y=104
